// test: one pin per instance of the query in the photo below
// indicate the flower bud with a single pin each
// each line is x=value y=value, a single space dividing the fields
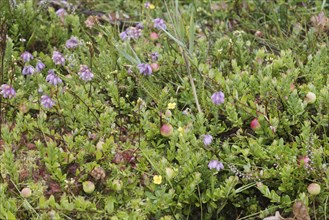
x=98 y=173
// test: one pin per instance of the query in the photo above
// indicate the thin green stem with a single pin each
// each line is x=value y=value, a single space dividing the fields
x=325 y=208
x=314 y=211
x=3 y=48
x=192 y=82
x=200 y=201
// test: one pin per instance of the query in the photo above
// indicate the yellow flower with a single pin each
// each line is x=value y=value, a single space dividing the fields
x=181 y=131
x=157 y=179
x=152 y=6
x=171 y=105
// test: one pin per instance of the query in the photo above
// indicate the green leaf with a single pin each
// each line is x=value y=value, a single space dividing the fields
x=175 y=39
x=191 y=35
x=42 y=202
x=99 y=155
x=272 y=195
x=10 y=216
x=150 y=195
x=109 y=204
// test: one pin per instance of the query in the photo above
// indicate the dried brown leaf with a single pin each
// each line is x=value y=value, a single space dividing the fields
x=300 y=211
x=320 y=22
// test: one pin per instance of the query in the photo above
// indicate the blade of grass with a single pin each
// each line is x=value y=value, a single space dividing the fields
x=127 y=56
x=325 y=208
x=191 y=35
x=175 y=39
x=136 y=57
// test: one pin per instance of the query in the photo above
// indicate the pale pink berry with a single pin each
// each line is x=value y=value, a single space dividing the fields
x=314 y=189
x=26 y=192
x=155 y=67
x=154 y=36
x=166 y=130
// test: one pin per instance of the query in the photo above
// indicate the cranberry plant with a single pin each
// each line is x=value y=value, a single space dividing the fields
x=164 y=110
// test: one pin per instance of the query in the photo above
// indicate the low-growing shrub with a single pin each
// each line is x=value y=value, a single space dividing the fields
x=164 y=110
